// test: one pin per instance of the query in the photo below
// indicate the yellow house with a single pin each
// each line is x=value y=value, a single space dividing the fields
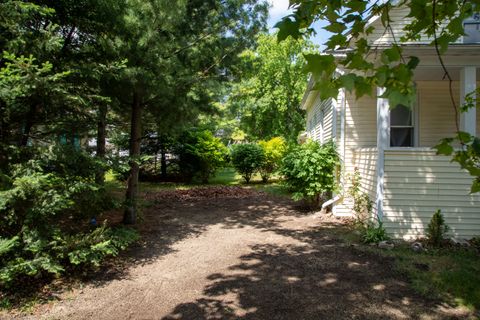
x=392 y=146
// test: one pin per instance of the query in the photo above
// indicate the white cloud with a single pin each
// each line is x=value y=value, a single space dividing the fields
x=278 y=10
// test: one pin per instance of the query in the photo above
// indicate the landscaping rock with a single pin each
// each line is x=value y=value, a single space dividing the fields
x=460 y=242
x=417 y=247
x=386 y=245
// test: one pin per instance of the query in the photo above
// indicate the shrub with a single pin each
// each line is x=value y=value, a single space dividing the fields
x=475 y=242
x=374 y=232
x=362 y=204
x=309 y=171
x=247 y=159
x=43 y=217
x=200 y=155
x=437 y=229
x=274 y=150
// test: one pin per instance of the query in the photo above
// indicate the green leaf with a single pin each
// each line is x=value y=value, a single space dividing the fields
x=348 y=81
x=475 y=186
x=464 y=137
x=444 y=148
x=413 y=62
x=363 y=87
x=320 y=65
x=287 y=28
x=356 y=5
x=336 y=27
x=476 y=145
x=395 y=97
x=337 y=40
x=391 y=55
x=382 y=75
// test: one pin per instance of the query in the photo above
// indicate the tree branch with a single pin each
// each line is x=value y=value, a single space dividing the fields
x=447 y=74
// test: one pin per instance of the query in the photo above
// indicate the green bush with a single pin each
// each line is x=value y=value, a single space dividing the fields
x=200 y=155
x=374 y=232
x=247 y=159
x=309 y=171
x=437 y=229
x=362 y=204
x=274 y=150
x=44 y=214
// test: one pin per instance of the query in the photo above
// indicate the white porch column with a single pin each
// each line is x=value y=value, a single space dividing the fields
x=383 y=142
x=468 y=84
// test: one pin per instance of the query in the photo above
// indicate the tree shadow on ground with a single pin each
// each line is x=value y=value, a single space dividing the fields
x=323 y=280
x=311 y=275
x=168 y=221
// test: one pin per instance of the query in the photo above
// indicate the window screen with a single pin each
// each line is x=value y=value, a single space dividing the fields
x=401 y=127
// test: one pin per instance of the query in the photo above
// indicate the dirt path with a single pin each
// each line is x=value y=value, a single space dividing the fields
x=251 y=256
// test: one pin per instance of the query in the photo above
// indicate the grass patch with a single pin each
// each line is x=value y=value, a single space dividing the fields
x=228 y=177
x=450 y=274
x=274 y=188
x=225 y=176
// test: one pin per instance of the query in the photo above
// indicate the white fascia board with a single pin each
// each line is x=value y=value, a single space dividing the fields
x=306 y=95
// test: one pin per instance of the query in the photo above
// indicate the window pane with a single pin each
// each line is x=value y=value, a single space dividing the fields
x=472 y=31
x=401 y=137
x=401 y=116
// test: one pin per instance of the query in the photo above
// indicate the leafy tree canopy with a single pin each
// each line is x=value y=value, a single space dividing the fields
x=267 y=100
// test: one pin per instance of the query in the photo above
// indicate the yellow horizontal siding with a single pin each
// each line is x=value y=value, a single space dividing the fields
x=417 y=183
x=365 y=161
x=319 y=120
x=328 y=122
x=360 y=143
x=436 y=113
x=399 y=20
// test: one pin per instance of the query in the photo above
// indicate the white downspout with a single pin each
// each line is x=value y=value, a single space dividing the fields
x=338 y=197
x=331 y=201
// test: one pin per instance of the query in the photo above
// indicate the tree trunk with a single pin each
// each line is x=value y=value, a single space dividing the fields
x=130 y=214
x=163 y=160
x=101 y=142
x=3 y=140
x=155 y=162
x=29 y=121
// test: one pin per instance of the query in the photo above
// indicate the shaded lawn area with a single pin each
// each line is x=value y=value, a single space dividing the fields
x=448 y=274
x=452 y=275
x=225 y=177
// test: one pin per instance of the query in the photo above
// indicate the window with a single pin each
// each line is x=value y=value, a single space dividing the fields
x=472 y=29
x=402 y=127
